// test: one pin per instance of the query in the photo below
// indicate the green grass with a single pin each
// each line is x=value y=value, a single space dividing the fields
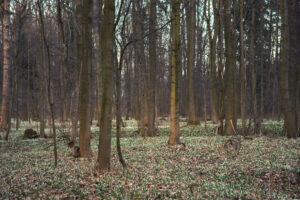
x=266 y=167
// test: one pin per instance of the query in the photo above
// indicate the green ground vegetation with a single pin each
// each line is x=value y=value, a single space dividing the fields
x=266 y=167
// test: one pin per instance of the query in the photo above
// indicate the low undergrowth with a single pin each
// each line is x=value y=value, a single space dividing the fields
x=265 y=168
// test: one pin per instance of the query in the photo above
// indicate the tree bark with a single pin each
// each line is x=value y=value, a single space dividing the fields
x=191 y=15
x=243 y=69
x=289 y=119
x=141 y=58
x=230 y=129
x=175 y=16
x=107 y=41
x=6 y=66
x=83 y=62
x=152 y=64
x=253 y=71
x=97 y=22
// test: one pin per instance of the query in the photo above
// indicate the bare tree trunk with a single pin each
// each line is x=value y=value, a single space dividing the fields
x=235 y=69
x=230 y=129
x=152 y=62
x=253 y=71
x=290 y=129
x=220 y=68
x=293 y=56
x=6 y=66
x=50 y=97
x=42 y=88
x=83 y=63
x=243 y=69
x=128 y=89
x=175 y=16
x=118 y=69
x=28 y=96
x=63 y=58
x=191 y=62
x=97 y=37
x=142 y=63
x=107 y=41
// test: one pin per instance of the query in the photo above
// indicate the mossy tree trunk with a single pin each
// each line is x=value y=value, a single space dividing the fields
x=6 y=66
x=175 y=37
x=107 y=42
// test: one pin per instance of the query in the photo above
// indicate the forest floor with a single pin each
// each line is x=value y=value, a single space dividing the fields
x=266 y=167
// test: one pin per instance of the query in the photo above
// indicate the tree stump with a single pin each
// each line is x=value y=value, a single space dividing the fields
x=30 y=134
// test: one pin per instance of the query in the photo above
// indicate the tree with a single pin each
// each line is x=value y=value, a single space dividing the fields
x=83 y=62
x=191 y=61
x=97 y=21
x=107 y=41
x=243 y=70
x=230 y=130
x=6 y=66
x=285 y=92
x=175 y=45
x=152 y=55
x=212 y=59
x=50 y=93
x=141 y=58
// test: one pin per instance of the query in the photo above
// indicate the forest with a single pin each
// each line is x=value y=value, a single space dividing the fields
x=150 y=99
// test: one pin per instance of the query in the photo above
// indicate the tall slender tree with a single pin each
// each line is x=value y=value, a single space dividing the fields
x=49 y=81
x=141 y=58
x=285 y=92
x=107 y=43
x=6 y=66
x=212 y=58
x=243 y=70
x=175 y=45
x=83 y=62
x=252 y=67
x=191 y=15
x=152 y=64
x=230 y=130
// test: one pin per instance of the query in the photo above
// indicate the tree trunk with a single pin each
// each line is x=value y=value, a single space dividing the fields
x=107 y=41
x=191 y=62
x=220 y=69
x=83 y=63
x=289 y=119
x=42 y=88
x=253 y=71
x=97 y=37
x=6 y=66
x=152 y=63
x=293 y=54
x=175 y=16
x=230 y=129
x=142 y=63
x=118 y=69
x=50 y=95
x=243 y=69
